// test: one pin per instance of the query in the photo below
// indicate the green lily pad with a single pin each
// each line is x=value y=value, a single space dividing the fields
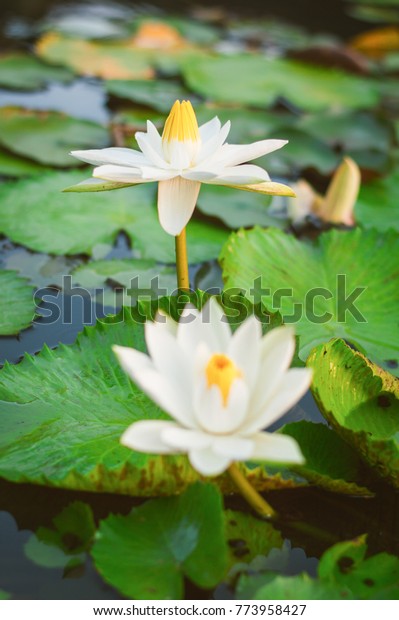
x=17 y=308
x=346 y=565
x=344 y=572
x=69 y=223
x=330 y=462
x=4 y=595
x=147 y=554
x=235 y=208
x=378 y=205
x=22 y=72
x=13 y=166
x=361 y=401
x=73 y=404
x=263 y=80
x=344 y=285
x=47 y=137
x=103 y=59
x=248 y=537
x=157 y=94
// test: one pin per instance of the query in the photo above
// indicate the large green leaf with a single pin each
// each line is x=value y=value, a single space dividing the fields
x=157 y=94
x=28 y=73
x=262 y=80
x=68 y=223
x=17 y=308
x=236 y=208
x=330 y=462
x=361 y=401
x=63 y=412
x=147 y=554
x=309 y=283
x=47 y=137
x=378 y=203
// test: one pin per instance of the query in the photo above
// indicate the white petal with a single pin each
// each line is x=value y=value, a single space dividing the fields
x=211 y=148
x=152 y=173
x=169 y=359
x=132 y=361
x=244 y=348
x=240 y=175
x=207 y=463
x=215 y=417
x=162 y=318
x=113 y=155
x=290 y=389
x=234 y=447
x=185 y=440
x=276 y=448
x=277 y=350
x=153 y=138
x=234 y=154
x=146 y=436
x=176 y=202
x=208 y=327
x=214 y=318
x=196 y=174
x=121 y=174
x=145 y=142
x=170 y=398
x=209 y=129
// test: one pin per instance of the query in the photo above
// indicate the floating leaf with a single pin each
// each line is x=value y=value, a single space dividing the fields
x=157 y=94
x=73 y=404
x=68 y=223
x=147 y=554
x=4 y=595
x=330 y=462
x=99 y=58
x=235 y=208
x=344 y=285
x=248 y=537
x=378 y=205
x=47 y=137
x=22 y=72
x=361 y=401
x=263 y=80
x=345 y=566
x=129 y=273
x=13 y=166
x=344 y=572
x=17 y=308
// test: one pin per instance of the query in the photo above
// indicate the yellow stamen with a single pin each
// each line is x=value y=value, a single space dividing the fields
x=222 y=371
x=181 y=123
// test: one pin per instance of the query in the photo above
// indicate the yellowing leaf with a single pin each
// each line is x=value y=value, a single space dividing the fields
x=105 y=60
x=377 y=43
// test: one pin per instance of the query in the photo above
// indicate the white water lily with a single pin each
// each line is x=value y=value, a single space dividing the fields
x=184 y=157
x=221 y=389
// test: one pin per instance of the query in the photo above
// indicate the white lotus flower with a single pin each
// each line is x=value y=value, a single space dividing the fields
x=221 y=389
x=184 y=157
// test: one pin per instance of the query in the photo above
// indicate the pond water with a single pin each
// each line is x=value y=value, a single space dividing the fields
x=24 y=508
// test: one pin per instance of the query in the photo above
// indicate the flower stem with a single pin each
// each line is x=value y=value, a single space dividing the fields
x=250 y=494
x=183 y=282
